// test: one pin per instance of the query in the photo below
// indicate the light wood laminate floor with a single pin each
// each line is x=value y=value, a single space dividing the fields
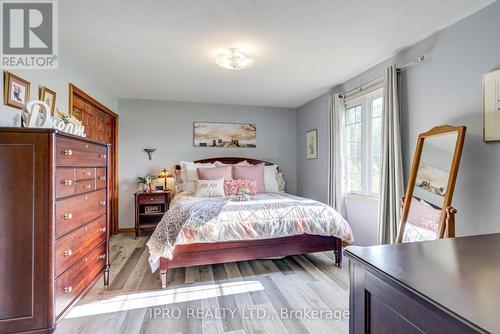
x=299 y=294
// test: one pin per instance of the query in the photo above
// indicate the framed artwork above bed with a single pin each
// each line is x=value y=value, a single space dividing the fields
x=230 y=135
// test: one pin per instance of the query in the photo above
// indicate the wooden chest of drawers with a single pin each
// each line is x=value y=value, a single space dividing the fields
x=54 y=218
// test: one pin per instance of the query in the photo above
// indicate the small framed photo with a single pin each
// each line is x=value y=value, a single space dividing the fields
x=48 y=96
x=159 y=188
x=312 y=144
x=16 y=91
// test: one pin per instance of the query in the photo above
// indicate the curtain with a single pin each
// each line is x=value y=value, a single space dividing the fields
x=391 y=186
x=335 y=165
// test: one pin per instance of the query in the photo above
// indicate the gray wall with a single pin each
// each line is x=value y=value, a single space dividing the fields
x=445 y=89
x=168 y=127
x=57 y=80
x=313 y=173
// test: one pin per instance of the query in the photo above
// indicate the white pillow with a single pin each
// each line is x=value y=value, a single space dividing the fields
x=189 y=173
x=241 y=163
x=271 y=179
x=209 y=188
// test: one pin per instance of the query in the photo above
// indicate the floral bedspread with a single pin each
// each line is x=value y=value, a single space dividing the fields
x=266 y=216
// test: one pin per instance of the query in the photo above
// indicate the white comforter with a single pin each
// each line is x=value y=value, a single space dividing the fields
x=266 y=216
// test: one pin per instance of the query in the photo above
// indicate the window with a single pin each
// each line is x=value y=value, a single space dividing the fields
x=362 y=136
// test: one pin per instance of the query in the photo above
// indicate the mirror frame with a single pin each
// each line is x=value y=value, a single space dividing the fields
x=436 y=131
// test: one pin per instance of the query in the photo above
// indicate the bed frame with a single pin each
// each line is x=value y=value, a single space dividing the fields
x=232 y=251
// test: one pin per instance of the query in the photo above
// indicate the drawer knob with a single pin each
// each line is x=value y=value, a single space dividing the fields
x=68 y=289
x=152 y=199
x=68 y=182
x=102 y=256
x=68 y=216
x=102 y=156
x=87 y=186
x=68 y=152
x=68 y=252
x=103 y=203
x=87 y=173
x=102 y=178
x=102 y=229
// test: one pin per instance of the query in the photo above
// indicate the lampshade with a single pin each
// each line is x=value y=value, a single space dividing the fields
x=165 y=174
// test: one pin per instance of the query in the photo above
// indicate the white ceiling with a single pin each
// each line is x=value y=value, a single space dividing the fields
x=165 y=49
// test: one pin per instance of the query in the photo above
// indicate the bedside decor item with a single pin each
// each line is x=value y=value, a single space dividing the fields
x=48 y=96
x=152 y=209
x=149 y=209
x=36 y=114
x=312 y=144
x=146 y=182
x=491 y=87
x=16 y=91
x=150 y=152
x=165 y=174
x=231 y=135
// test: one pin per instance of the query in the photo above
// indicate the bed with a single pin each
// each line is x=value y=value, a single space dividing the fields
x=268 y=225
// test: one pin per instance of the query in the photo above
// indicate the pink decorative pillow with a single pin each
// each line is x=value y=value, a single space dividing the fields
x=215 y=173
x=255 y=173
x=232 y=187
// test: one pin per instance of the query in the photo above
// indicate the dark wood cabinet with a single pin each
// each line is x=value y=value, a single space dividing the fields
x=54 y=217
x=441 y=286
x=149 y=209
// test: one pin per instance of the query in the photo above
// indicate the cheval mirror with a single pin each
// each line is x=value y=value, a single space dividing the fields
x=427 y=212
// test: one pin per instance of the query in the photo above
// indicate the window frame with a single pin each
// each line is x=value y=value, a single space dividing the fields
x=366 y=103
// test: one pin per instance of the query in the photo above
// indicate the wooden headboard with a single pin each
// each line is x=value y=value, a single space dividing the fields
x=230 y=161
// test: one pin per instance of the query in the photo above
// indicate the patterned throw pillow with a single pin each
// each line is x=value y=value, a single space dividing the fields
x=209 y=188
x=232 y=187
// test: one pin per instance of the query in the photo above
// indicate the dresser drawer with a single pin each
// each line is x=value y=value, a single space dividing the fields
x=152 y=199
x=84 y=186
x=72 y=152
x=70 y=284
x=100 y=180
x=76 y=211
x=84 y=174
x=65 y=182
x=73 y=246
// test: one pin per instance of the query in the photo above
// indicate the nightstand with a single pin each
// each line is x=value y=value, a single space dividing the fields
x=149 y=209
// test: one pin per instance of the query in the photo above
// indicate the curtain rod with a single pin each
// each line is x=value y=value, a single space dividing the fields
x=359 y=88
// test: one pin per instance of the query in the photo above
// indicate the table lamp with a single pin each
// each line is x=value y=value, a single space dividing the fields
x=165 y=174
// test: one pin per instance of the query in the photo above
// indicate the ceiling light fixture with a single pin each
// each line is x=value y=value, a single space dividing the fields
x=234 y=60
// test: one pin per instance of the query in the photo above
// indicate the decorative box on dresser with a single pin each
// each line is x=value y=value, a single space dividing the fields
x=54 y=217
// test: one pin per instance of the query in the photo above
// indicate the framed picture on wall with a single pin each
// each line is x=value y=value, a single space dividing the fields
x=48 y=96
x=312 y=144
x=16 y=91
x=229 y=135
x=491 y=103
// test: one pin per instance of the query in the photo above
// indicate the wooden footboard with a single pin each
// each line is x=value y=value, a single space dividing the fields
x=221 y=252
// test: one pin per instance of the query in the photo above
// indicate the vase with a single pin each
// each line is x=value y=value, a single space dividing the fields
x=150 y=188
x=144 y=187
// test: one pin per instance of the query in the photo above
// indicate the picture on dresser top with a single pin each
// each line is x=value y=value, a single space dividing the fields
x=231 y=135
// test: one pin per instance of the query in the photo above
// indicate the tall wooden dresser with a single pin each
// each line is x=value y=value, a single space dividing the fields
x=54 y=217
